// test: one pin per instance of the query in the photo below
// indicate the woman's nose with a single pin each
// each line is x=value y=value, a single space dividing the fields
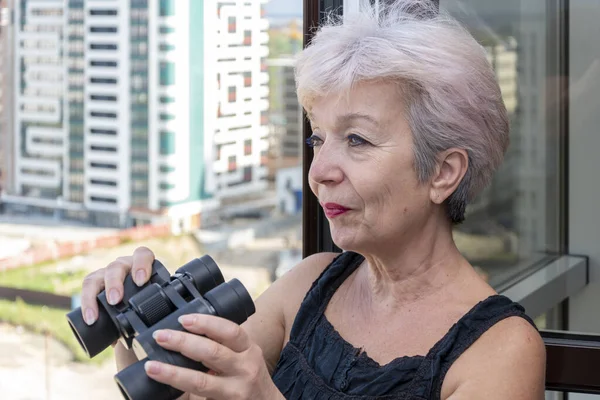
x=326 y=167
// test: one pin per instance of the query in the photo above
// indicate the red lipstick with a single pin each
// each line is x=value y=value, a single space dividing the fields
x=333 y=209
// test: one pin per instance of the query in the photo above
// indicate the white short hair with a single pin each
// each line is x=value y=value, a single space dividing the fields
x=450 y=93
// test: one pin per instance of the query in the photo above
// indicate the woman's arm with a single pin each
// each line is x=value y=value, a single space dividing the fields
x=276 y=309
x=507 y=362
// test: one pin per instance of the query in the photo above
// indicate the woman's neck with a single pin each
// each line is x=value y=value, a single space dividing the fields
x=413 y=268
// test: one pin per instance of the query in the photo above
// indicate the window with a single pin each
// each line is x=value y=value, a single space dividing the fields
x=109 y=132
x=102 y=165
x=264 y=157
x=103 y=46
x=94 y=63
x=248 y=174
x=166 y=169
x=109 y=149
x=165 y=47
x=231 y=91
x=139 y=185
x=102 y=182
x=167 y=73
x=99 y=97
x=99 y=199
x=97 y=12
x=247 y=147
x=264 y=117
x=167 y=143
x=167 y=8
x=231 y=164
x=505 y=233
x=231 y=25
x=109 y=115
x=105 y=81
x=247 y=38
x=103 y=29
x=166 y=30
x=167 y=99
x=247 y=79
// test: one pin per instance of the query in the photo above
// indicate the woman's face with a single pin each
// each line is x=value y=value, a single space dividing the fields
x=363 y=168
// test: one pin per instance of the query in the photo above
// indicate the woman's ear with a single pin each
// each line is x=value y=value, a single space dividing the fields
x=451 y=169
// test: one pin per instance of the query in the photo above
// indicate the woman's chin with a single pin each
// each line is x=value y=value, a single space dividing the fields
x=345 y=241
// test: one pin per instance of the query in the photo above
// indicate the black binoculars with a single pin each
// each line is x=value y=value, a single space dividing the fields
x=196 y=287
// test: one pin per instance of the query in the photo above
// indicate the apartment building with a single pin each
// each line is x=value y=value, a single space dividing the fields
x=137 y=112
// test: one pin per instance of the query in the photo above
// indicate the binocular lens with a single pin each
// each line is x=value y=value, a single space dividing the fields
x=134 y=384
x=232 y=301
x=204 y=272
x=96 y=337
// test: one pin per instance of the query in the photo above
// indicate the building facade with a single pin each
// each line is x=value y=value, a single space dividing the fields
x=285 y=119
x=137 y=112
x=6 y=90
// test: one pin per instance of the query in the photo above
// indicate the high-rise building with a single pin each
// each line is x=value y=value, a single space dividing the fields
x=286 y=143
x=135 y=112
x=285 y=120
x=240 y=129
x=6 y=90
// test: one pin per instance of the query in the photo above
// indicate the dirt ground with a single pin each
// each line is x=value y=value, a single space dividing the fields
x=33 y=367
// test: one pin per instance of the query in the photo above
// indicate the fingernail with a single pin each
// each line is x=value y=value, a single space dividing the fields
x=140 y=277
x=152 y=367
x=161 y=336
x=89 y=316
x=186 y=320
x=113 y=296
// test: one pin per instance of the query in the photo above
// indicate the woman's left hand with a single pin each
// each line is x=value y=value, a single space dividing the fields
x=237 y=367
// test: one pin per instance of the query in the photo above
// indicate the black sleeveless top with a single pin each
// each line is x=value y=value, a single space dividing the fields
x=318 y=364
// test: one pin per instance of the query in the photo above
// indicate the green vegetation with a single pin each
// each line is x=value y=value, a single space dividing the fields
x=281 y=44
x=64 y=277
x=42 y=319
x=43 y=278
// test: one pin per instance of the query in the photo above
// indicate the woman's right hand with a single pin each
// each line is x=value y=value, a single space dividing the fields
x=111 y=278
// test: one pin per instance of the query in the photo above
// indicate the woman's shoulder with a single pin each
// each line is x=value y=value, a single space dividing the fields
x=277 y=306
x=511 y=350
x=296 y=283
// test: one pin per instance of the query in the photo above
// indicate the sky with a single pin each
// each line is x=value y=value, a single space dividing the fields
x=284 y=8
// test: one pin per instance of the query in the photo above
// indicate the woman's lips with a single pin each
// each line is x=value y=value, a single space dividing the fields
x=333 y=209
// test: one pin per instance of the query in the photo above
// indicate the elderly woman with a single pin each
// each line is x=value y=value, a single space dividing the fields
x=408 y=126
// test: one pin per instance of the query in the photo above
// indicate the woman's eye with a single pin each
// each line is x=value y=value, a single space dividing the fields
x=355 y=140
x=314 y=141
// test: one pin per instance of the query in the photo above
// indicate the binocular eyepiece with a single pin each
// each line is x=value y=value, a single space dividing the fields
x=196 y=287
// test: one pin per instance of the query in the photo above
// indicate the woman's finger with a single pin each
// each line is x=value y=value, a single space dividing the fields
x=92 y=285
x=190 y=381
x=114 y=277
x=141 y=268
x=210 y=353
x=218 y=329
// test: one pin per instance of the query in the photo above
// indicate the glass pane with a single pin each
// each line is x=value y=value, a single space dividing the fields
x=170 y=124
x=584 y=141
x=551 y=319
x=513 y=224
